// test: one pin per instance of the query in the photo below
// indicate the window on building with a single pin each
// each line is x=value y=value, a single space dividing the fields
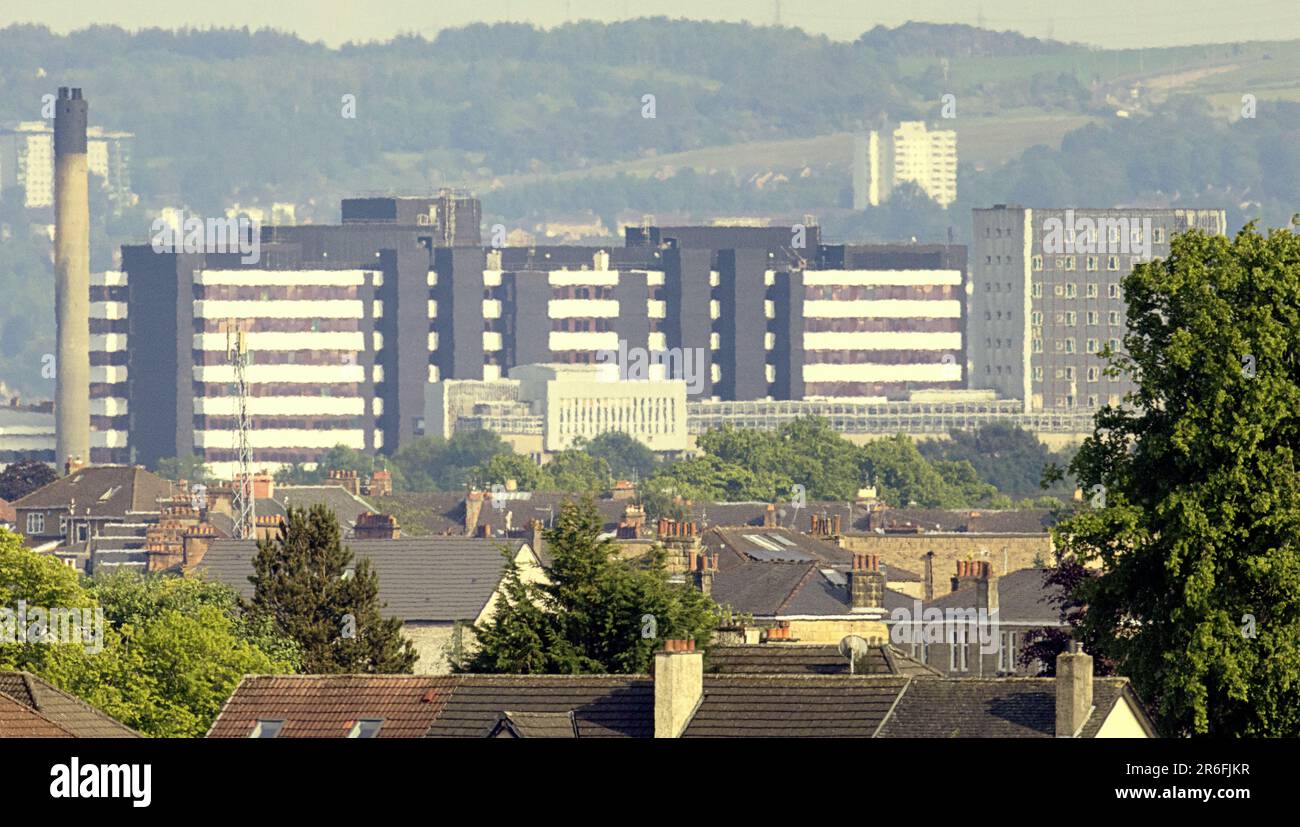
x=1038 y=345
x=1112 y=317
x=1071 y=318
x=1112 y=263
x=1114 y=345
x=1036 y=318
x=1038 y=373
x=1093 y=346
x=267 y=728
x=1037 y=291
x=1092 y=317
x=1112 y=291
x=1092 y=264
x=1069 y=262
x=1094 y=374
x=366 y=728
x=1071 y=290
x=1158 y=235
x=1069 y=345
x=35 y=523
x=1038 y=263
x=63 y=525
x=1091 y=290
x=1092 y=400
x=1007 y=652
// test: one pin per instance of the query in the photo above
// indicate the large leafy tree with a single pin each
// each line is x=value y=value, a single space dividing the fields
x=23 y=477
x=1196 y=525
x=306 y=586
x=597 y=612
x=626 y=456
x=434 y=464
x=172 y=649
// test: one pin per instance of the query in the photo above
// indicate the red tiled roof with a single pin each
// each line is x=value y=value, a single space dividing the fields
x=327 y=706
x=17 y=721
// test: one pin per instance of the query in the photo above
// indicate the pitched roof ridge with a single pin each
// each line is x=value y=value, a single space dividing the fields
x=35 y=681
x=803 y=581
x=36 y=713
x=884 y=719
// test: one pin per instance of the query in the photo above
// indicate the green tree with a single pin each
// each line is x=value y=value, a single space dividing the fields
x=305 y=584
x=505 y=467
x=1008 y=457
x=188 y=467
x=171 y=652
x=434 y=464
x=575 y=471
x=626 y=456
x=1192 y=485
x=597 y=613
x=23 y=477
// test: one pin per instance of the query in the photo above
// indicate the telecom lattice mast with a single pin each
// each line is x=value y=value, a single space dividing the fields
x=244 y=504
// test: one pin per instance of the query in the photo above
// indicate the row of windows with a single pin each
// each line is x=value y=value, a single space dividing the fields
x=1067 y=345
x=1070 y=318
x=1070 y=290
x=1091 y=263
x=962 y=653
x=1067 y=373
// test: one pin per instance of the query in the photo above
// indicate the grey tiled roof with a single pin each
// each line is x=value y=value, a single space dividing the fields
x=1022 y=598
x=537 y=725
x=768 y=706
x=993 y=708
x=797 y=659
x=102 y=491
x=602 y=705
x=432 y=579
x=345 y=505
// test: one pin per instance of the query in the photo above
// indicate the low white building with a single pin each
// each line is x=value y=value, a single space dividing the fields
x=562 y=404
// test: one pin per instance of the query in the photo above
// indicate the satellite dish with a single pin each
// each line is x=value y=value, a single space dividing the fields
x=855 y=649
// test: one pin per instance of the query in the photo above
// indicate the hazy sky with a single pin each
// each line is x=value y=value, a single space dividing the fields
x=1116 y=23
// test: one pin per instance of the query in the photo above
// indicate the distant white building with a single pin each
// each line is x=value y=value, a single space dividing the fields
x=911 y=152
x=27 y=162
x=545 y=408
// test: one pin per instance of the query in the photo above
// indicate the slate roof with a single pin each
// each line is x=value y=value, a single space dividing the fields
x=737 y=546
x=17 y=721
x=975 y=521
x=432 y=579
x=430 y=512
x=602 y=705
x=327 y=706
x=786 y=706
x=103 y=491
x=1022 y=598
x=995 y=708
x=345 y=505
x=66 y=711
x=797 y=659
x=536 y=725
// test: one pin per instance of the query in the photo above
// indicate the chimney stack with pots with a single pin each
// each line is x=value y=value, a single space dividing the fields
x=679 y=686
x=1073 y=691
x=866 y=584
